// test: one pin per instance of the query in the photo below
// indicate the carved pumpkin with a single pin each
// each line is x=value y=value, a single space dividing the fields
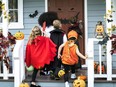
x=61 y=73
x=79 y=83
x=24 y=85
x=30 y=68
x=82 y=77
x=19 y=35
x=99 y=30
x=102 y=68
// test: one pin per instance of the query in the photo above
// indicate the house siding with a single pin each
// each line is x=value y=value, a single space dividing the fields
x=96 y=10
x=29 y=7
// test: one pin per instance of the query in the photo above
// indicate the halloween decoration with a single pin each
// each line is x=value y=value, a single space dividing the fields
x=103 y=69
x=5 y=43
x=34 y=14
x=99 y=30
x=19 y=35
x=104 y=41
x=47 y=17
x=113 y=50
x=61 y=73
x=109 y=20
x=82 y=77
x=23 y=84
x=95 y=67
x=1 y=7
x=79 y=83
x=30 y=68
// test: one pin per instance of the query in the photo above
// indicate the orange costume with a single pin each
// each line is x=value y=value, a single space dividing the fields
x=69 y=55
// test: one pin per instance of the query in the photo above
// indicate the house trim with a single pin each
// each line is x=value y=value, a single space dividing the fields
x=19 y=24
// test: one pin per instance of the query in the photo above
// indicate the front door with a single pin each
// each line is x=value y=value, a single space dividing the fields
x=67 y=9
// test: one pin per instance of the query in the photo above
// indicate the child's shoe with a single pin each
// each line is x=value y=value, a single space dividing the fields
x=67 y=84
x=34 y=85
x=73 y=76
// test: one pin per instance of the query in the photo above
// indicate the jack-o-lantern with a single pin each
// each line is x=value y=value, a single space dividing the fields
x=99 y=30
x=82 y=77
x=30 y=68
x=23 y=84
x=61 y=73
x=103 y=69
x=19 y=35
x=79 y=83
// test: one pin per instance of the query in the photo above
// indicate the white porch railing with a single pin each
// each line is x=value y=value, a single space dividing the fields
x=17 y=66
x=90 y=62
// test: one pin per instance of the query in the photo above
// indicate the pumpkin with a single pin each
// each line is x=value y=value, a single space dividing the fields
x=79 y=83
x=23 y=84
x=61 y=73
x=19 y=35
x=82 y=77
x=95 y=67
x=99 y=30
x=102 y=68
x=30 y=68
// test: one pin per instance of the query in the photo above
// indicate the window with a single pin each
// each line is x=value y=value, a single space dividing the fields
x=15 y=8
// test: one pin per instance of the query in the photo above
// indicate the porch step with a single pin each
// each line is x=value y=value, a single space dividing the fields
x=45 y=81
x=60 y=84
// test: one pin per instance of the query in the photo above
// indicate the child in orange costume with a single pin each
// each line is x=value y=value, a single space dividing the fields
x=69 y=56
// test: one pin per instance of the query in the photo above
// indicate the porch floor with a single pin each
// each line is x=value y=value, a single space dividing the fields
x=83 y=71
x=46 y=78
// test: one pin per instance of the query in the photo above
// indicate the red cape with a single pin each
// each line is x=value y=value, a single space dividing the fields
x=40 y=52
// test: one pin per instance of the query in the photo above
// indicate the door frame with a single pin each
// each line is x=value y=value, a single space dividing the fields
x=85 y=22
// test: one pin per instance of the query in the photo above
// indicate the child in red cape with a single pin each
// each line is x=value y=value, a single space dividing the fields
x=40 y=50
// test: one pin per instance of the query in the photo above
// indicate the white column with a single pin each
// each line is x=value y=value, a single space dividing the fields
x=90 y=71
x=90 y=63
x=5 y=20
x=109 y=57
x=17 y=62
x=22 y=64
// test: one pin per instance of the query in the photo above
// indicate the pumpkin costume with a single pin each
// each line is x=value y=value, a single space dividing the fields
x=69 y=56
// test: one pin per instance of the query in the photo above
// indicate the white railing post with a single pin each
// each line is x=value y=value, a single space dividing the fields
x=90 y=66
x=18 y=55
x=22 y=64
x=90 y=63
x=109 y=57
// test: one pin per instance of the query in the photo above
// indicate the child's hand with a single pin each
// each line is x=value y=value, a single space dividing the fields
x=86 y=56
x=59 y=56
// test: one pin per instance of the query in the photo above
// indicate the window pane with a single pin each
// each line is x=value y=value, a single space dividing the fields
x=13 y=4
x=13 y=15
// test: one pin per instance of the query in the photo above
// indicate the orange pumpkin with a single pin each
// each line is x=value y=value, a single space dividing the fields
x=102 y=68
x=19 y=35
x=83 y=77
